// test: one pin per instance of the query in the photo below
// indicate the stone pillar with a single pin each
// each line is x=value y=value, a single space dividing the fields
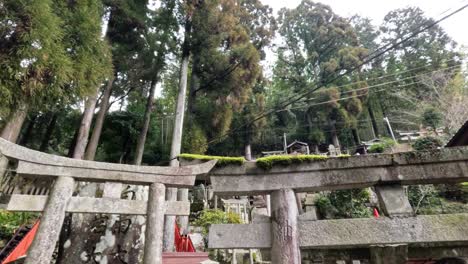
x=3 y=168
x=268 y=204
x=393 y=200
x=234 y=257
x=182 y=195
x=169 y=221
x=155 y=224
x=285 y=233
x=389 y=254
x=51 y=223
x=251 y=258
x=3 y=165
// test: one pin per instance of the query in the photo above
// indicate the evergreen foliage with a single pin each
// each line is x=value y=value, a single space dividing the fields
x=427 y=143
x=344 y=204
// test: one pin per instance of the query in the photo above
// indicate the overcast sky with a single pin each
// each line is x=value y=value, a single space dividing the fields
x=456 y=26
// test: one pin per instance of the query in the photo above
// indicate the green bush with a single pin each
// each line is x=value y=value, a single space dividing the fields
x=386 y=144
x=209 y=217
x=432 y=117
x=427 y=143
x=10 y=221
x=344 y=204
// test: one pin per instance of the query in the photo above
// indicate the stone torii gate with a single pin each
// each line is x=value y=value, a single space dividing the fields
x=388 y=238
x=52 y=182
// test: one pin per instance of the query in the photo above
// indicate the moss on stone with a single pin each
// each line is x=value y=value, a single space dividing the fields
x=267 y=163
x=222 y=161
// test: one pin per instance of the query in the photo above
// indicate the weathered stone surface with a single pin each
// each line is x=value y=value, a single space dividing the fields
x=351 y=233
x=441 y=166
x=393 y=200
x=310 y=215
x=3 y=165
x=37 y=203
x=244 y=236
x=369 y=231
x=35 y=163
x=389 y=254
x=284 y=228
x=155 y=224
x=48 y=232
x=91 y=174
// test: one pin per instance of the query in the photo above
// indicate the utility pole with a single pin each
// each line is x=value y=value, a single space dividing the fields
x=285 y=143
x=390 y=128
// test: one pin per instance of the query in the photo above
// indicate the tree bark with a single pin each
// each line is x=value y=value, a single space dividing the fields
x=176 y=144
x=12 y=128
x=146 y=122
x=194 y=85
x=82 y=224
x=248 y=151
x=374 y=122
x=334 y=135
x=48 y=133
x=94 y=140
x=357 y=140
x=24 y=139
x=85 y=125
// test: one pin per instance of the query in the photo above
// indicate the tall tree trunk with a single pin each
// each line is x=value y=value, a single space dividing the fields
x=146 y=122
x=374 y=122
x=171 y=193
x=48 y=133
x=81 y=235
x=248 y=151
x=24 y=139
x=94 y=140
x=334 y=135
x=12 y=128
x=85 y=125
x=194 y=85
x=357 y=140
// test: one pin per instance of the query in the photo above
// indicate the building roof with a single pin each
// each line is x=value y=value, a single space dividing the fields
x=297 y=142
x=460 y=138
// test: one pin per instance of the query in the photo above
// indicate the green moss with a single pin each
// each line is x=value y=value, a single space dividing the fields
x=222 y=161
x=267 y=163
x=343 y=156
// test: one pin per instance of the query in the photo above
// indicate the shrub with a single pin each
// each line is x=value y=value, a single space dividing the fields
x=344 y=204
x=209 y=217
x=387 y=143
x=10 y=221
x=432 y=117
x=426 y=143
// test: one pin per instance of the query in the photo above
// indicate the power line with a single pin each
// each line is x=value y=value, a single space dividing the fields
x=383 y=84
x=347 y=72
x=344 y=98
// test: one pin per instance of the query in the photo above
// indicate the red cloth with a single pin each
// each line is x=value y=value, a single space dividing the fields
x=23 y=246
x=182 y=243
x=376 y=213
